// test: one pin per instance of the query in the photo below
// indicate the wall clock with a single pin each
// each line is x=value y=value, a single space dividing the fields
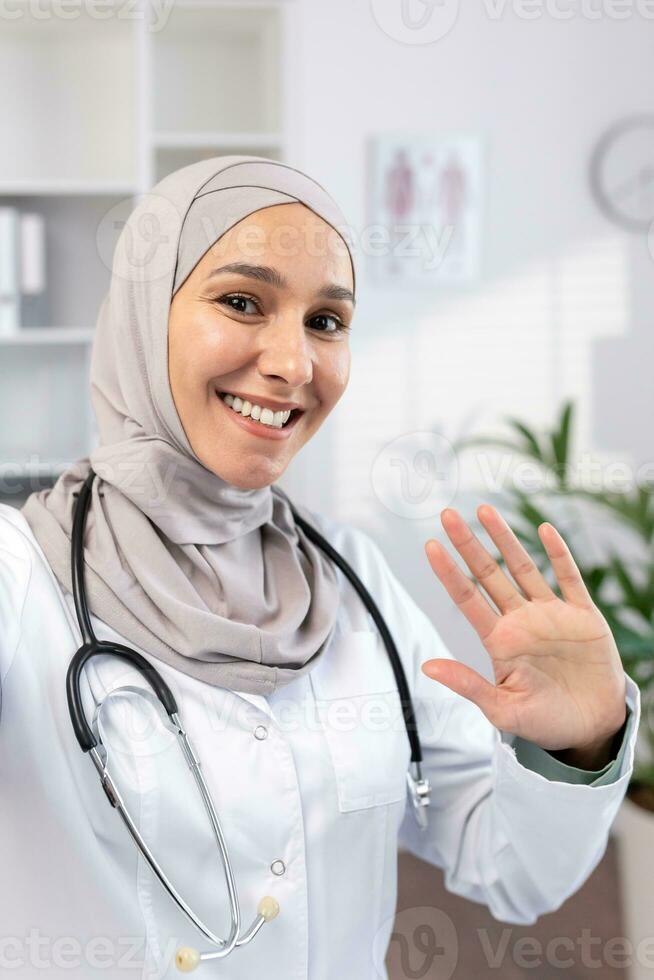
x=622 y=173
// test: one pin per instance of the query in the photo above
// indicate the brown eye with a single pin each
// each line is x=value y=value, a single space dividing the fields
x=235 y=301
x=339 y=327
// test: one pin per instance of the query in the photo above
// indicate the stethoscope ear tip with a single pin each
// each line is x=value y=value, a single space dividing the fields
x=186 y=959
x=268 y=908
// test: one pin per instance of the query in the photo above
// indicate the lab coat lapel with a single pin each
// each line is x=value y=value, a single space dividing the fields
x=258 y=700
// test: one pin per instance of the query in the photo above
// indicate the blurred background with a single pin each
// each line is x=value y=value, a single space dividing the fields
x=495 y=162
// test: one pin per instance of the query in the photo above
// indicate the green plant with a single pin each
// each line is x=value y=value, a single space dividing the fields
x=621 y=587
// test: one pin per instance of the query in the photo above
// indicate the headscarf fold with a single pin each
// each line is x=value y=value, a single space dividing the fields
x=210 y=578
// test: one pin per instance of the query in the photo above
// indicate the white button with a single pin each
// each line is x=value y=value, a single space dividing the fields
x=278 y=867
x=261 y=732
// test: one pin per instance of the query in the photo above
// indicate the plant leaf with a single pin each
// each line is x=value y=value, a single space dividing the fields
x=531 y=445
x=561 y=443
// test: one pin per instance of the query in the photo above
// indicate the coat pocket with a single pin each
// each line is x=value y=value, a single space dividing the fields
x=360 y=712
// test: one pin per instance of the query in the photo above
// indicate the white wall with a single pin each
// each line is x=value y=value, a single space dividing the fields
x=565 y=302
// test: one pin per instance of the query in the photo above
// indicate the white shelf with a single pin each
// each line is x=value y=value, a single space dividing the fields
x=170 y=158
x=173 y=150
x=219 y=141
x=64 y=188
x=45 y=336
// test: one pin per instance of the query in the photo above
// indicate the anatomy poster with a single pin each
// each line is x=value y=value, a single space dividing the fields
x=425 y=209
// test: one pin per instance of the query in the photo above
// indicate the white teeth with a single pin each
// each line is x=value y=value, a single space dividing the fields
x=264 y=415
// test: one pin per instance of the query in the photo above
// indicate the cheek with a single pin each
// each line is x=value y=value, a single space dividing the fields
x=336 y=372
x=205 y=349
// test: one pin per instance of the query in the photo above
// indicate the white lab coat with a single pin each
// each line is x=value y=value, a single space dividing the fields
x=310 y=789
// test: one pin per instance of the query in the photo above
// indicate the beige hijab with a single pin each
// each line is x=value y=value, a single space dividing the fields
x=214 y=580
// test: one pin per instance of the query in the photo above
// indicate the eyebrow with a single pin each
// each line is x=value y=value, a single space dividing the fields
x=265 y=273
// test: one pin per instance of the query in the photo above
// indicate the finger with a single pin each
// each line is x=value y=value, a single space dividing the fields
x=474 y=606
x=521 y=565
x=468 y=683
x=572 y=585
x=482 y=565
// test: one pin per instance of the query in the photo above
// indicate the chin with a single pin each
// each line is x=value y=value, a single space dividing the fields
x=248 y=478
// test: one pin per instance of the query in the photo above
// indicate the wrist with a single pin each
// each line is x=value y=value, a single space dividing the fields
x=594 y=756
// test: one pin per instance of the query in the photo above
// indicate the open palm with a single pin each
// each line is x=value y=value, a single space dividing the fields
x=559 y=680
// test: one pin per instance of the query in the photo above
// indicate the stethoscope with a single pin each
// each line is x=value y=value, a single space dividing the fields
x=186 y=957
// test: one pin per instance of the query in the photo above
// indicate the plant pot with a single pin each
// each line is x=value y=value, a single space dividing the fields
x=633 y=829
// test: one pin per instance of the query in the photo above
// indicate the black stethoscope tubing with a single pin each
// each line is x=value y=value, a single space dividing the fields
x=92 y=646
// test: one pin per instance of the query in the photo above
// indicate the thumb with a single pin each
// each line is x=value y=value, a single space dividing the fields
x=465 y=681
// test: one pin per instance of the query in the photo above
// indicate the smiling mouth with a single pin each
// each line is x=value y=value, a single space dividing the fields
x=266 y=418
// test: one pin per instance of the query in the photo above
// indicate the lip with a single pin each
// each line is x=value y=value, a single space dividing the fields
x=264 y=402
x=256 y=428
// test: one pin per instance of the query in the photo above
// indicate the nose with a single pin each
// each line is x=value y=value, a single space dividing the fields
x=286 y=351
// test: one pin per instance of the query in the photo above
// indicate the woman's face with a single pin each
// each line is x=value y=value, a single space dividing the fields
x=273 y=332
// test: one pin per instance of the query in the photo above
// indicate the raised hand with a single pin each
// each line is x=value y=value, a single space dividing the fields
x=559 y=680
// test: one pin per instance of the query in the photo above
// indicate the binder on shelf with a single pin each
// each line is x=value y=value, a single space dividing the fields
x=32 y=270
x=9 y=271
